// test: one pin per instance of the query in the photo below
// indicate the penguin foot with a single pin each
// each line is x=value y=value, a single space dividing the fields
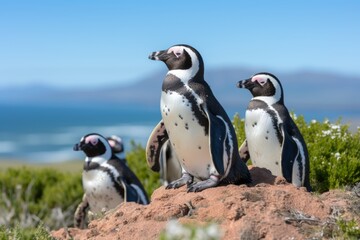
x=199 y=186
x=185 y=179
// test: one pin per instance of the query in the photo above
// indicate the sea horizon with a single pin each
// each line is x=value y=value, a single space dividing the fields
x=45 y=133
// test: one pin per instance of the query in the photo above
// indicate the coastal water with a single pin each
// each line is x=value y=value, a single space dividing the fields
x=47 y=133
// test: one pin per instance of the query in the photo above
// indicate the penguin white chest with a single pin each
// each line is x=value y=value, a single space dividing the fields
x=263 y=144
x=186 y=135
x=100 y=191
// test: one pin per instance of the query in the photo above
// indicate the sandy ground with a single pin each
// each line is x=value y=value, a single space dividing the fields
x=268 y=209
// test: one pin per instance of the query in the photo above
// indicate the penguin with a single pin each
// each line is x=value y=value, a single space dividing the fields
x=107 y=181
x=273 y=140
x=117 y=146
x=195 y=124
x=170 y=168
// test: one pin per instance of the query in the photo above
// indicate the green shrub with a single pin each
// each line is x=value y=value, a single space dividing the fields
x=348 y=229
x=334 y=152
x=18 y=233
x=32 y=196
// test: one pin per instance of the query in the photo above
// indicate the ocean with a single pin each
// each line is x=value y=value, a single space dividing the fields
x=47 y=133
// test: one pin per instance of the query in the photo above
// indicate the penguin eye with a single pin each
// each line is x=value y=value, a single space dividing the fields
x=94 y=141
x=262 y=82
x=177 y=54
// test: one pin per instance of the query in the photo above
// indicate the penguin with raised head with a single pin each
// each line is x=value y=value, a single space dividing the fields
x=273 y=140
x=196 y=125
x=107 y=180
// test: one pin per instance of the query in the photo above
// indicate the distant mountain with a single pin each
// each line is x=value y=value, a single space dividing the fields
x=303 y=90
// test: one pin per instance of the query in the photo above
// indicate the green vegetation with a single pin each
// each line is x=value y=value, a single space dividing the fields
x=137 y=163
x=347 y=229
x=30 y=233
x=35 y=200
x=37 y=197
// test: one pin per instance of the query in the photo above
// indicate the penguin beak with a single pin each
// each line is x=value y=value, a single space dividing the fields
x=77 y=147
x=247 y=83
x=159 y=55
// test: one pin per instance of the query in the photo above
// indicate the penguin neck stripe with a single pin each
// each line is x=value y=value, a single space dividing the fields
x=268 y=100
x=186 y=74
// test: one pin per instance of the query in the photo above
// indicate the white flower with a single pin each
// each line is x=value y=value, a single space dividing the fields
x=175 y=230
x=337 y=155
x=213 y=231
x=313 y=121
x=335 y=127
x=326 y=132
x=293 y=115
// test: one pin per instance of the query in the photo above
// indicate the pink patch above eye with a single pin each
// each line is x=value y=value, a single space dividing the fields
x=92 y=139
x=260 y=80
x=112 y=143
x=176 y=50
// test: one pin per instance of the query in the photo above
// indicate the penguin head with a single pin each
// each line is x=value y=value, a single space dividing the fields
x=180 y=57
x=96 y=148
x=116 y=144
x=263 y=85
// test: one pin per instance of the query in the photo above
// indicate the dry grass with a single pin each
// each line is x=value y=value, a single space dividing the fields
x=68 y=166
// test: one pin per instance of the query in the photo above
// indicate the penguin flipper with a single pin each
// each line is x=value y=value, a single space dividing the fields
x=290 y=155
x=153 y=147
x=244 y=152
x=218 y=135
x=170 y=168
x=132 y=192
x=80 y=213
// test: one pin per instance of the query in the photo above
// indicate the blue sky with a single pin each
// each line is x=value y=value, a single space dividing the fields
x=96 y=43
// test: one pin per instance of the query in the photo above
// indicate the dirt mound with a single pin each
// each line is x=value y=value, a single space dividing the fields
x=269 y=208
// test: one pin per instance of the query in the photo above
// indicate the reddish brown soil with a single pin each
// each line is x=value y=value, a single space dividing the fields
x=268 y=209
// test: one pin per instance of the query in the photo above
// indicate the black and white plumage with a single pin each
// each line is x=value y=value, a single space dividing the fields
x=116 y=144
x=107 y=180
x=273 y=140
x=196 y=125
x=170 y=168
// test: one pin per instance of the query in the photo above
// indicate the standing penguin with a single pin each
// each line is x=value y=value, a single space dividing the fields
x=107 y=181
x=196 y=125
x=273 y=140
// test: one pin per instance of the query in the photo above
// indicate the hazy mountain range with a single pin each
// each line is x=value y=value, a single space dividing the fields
x=310 y=90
